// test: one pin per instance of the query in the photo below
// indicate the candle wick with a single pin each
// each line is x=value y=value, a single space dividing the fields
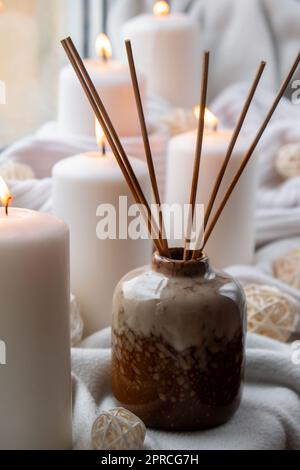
x=6 y=205
x=103 y=149
x=104 y=56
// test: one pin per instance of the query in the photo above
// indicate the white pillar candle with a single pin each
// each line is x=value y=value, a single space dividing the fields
x=80 y=184
x=113 y=83
x=35 y=383
x=232 y=241
x=166 y=51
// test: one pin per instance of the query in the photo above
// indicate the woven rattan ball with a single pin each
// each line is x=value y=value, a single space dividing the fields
x=288 y=161
x=287 y=268
x=10 y=170
x=118 y=429
x=76 y=322
x=270 y=312
x=179 y=121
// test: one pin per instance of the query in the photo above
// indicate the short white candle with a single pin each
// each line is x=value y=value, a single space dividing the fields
x=80 y=184
x=35 y=385
x=166 y=50
x=113 y=83
x=233 y=239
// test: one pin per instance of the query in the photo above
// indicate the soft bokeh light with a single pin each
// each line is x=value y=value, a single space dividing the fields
x=211 y=121
x=161 y=8
x=103 y=46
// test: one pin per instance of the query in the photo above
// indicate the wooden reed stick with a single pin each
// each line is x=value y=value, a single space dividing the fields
x=110 y=134
x=251 y=150
x=233 y=142
x=147 y=147
x=196 y=170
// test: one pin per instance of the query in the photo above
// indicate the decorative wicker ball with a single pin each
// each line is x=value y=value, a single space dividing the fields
x=10 y=170
x=288 y=161
x=76 y=322
x=179 y=121
x=118 y=429
x=287 y=268
x=270 y=312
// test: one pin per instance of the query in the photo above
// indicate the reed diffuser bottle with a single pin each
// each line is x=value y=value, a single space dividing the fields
x=178 y=344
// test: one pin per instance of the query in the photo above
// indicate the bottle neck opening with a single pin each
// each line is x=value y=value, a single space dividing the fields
x=176 y=266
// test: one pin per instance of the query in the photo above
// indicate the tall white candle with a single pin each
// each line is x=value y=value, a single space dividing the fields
x=35 y=384
x=232 y=241
x=113 y=83
x=80 y=184
x=166 y=51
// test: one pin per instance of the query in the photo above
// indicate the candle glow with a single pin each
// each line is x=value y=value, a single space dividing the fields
x=100 y=137
x=211 y=121
x=2 y=6
x=5 y=196
x=161 y=8
x=103 y=47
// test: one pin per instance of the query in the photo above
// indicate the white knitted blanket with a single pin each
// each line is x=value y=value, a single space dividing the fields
x=269 y=417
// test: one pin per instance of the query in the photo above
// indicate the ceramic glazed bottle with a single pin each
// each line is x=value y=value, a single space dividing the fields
x=178 y=344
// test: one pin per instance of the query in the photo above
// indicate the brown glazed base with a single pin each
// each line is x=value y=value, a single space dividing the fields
x=196 y=389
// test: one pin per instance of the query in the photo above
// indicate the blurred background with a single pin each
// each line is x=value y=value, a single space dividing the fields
x=30 y=56
x=239 y=33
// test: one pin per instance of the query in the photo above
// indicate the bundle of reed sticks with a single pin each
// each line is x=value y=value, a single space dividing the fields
x=157 y=230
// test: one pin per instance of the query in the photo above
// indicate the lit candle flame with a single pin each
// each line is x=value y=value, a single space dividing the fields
x=211 y=121
x=5 y=196
x=161 y=8
x=100 y=137
x=103 y=47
